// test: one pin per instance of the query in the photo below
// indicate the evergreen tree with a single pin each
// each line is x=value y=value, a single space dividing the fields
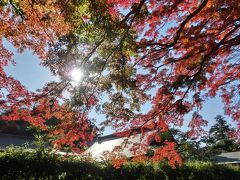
x=218 y=139
x=191 y=148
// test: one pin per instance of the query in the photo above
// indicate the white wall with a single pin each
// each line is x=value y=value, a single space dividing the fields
x=97 y=149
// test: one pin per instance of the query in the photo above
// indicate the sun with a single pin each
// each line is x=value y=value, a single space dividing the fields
x=76 y=75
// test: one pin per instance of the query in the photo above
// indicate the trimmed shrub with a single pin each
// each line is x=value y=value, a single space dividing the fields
x=19 y=163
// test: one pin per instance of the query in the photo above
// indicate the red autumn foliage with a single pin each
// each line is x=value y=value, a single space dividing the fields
x=168 y=152
x=189 y=49
x=37 y=25
x=187 y=52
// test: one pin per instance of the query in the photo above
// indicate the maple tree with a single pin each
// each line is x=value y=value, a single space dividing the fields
x=173 y=54
x=25 y=24
x=36 y=25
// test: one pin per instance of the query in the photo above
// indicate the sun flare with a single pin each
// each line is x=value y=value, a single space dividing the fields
x=76 y=75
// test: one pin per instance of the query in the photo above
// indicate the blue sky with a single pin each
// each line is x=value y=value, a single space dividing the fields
x=31 y=74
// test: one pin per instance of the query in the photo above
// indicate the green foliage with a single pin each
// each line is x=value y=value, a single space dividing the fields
x=203 y=170
x=40 y=143
x=215 y=142
x=218 y=140
x=20 y=163
x=3 y=2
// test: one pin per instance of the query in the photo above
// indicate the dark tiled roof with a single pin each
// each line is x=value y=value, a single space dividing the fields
x=16 y=140
x=15 y=127
x=228 y=158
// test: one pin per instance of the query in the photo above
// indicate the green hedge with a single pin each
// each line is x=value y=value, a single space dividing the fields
x=22 y=164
